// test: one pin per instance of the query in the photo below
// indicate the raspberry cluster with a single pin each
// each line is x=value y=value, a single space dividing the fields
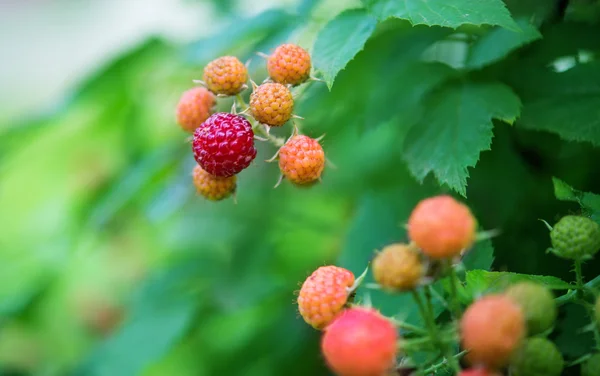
x=501 y=332
x=223 y=142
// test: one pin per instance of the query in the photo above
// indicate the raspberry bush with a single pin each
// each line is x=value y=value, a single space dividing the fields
x=437 y=201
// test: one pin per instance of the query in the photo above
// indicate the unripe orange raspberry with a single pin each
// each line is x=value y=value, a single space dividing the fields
x=324 y=294
x=225 y=75
x=272 y=104
x=360 y=342
x=442 y=227
x=301 y=160
x=214 y=188
x=491 y=330
x=194 y=108
x=398 y=267
x=289 y=64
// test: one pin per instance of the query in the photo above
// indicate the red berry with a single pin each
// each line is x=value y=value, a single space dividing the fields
x=224 y=144
x=214 y=188
x=301 y=160
x=491 y=330
x=324 y=294
x=442 y=227
x=194 y=108
x=225 y=75
x=272 y=104
x=289 y=64
x=360 y=342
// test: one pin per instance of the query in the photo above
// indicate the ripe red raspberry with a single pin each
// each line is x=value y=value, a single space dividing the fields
x=398 y=267
x=324 y=294
x=442 y=227
x=360 y=342
x=224 y=144
x=289 y=64
x=491 y=329
x=301 y=160
x=225 y=75
x=214 y=188
x=194 y=108
x=478 y=372
x=272 y=104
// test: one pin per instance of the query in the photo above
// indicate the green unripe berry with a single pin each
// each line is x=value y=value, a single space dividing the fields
x=537 y=357
x=537 y=304
x=575 y=237
x=591 y=367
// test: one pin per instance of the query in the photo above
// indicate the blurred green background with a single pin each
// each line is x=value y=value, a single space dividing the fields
x=110 y=264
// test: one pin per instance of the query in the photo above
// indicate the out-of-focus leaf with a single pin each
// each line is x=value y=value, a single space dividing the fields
x=340 y=40
x=456 y=128
x=239 y=34
x=161 y=313
x=444 y=13
x=499 y=42
x=479 y=282
x=481 y=256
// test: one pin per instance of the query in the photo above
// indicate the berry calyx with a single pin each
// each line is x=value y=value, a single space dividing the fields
x=591 y=367
x=214 y=188
x=226 y=75
x=442 y=227
x=224 y=144
x=491 y=330
x=575 y=237
x=301 y=160
x=537 y=304
x=537 y=357
x=398 y=267
x=360 y=342
x=324 y=294
x=272 y=104
x=194 y=108
x=289 y=64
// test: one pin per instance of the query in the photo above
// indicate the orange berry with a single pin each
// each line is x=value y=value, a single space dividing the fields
x=214 y=188
x=272 y=104
x=492 y=328
x=289 y=64
x=360 y=342
x=324 y=294
x=301 y=160
x=442 y=227
x=194 y=108
x=398 y=267
x=225 y=75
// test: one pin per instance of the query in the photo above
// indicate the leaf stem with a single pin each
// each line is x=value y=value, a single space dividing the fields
x=444 y=363
x=579 y=281
x=454 y=301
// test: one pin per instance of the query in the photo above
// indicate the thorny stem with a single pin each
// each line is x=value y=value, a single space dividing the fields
x=444 y=363
x=454 y=302
x=257 y=127
x=427 y=313
x=579 y=281
x=580 y=298
x=407 y=326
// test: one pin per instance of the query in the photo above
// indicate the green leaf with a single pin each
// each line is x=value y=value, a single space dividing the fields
x=456 y=128
x=340 y=40
x=480 y=281
x=499 y=42
x=573 y=118
x=444 y=13
x=588 y=201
